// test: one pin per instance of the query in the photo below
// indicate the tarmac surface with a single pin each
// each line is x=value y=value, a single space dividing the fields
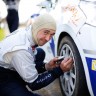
x=52 y=89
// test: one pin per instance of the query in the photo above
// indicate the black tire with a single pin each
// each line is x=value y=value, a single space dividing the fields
x=76 y=77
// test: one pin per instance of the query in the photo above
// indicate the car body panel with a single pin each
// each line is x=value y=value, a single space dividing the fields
x=82 y=34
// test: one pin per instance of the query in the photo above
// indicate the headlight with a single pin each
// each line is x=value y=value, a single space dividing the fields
x=89 y=9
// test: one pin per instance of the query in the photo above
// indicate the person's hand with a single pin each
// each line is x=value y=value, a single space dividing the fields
x=52 y=64
x=66 y=64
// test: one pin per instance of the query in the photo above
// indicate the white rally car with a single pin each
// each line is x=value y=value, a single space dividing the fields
x=76 y=37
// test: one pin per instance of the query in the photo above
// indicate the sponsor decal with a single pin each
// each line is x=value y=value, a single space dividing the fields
x=94 y=65
x=91 y=63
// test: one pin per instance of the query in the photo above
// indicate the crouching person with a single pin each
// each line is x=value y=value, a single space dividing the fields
x=21 y=63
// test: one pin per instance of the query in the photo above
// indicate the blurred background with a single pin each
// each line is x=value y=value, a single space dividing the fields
x=14 y=14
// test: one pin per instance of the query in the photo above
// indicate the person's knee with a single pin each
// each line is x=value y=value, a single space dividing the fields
x=40 y=54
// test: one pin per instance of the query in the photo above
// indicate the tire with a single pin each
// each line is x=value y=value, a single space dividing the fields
x=73 y=83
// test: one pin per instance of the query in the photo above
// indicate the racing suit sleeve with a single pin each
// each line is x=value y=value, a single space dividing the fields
x=45 y=78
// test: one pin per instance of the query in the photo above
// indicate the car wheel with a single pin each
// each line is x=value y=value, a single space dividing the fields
x=73 y=83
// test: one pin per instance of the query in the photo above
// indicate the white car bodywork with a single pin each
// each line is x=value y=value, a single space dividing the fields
x=73 y=21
